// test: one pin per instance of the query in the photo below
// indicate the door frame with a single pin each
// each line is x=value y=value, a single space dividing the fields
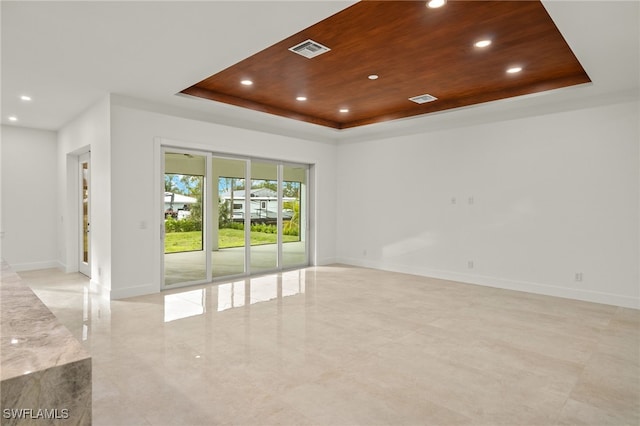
x=84 y=267
x=162 y=144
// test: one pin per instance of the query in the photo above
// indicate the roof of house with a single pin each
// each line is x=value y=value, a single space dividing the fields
x=179 y=198
x=256 y=194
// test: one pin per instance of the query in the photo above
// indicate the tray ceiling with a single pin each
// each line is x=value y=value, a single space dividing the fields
x=413 y=50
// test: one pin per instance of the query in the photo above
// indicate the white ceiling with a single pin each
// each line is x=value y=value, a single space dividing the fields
x=68 y=55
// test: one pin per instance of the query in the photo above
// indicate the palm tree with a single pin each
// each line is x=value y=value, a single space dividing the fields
x=170 y=186
x=292 y=226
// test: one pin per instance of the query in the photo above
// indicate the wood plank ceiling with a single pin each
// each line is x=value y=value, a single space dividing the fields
x=414 y=50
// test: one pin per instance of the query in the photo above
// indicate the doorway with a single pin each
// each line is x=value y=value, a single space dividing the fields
x=84 y=175
x=245 y=216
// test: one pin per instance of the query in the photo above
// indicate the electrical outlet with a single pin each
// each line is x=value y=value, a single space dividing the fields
x=470 y=264
x=578 y=276
x=471 y=200
x=364 y=252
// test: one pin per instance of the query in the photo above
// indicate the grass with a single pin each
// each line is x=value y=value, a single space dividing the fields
x=175 y=242
x=188 y=241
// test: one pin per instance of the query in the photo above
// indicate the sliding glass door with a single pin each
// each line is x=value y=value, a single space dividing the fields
x=185 y=254
x=230 y=216
x=294 y=215
x=265 y=207
x=228 y=255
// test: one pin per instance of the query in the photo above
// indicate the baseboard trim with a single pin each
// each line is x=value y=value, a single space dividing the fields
x=506 y=284
x=140 y=290
x=34 y=266
x=326 y=261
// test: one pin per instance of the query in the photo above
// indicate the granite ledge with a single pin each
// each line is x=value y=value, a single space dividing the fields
x=32 y=339
x=43 y=368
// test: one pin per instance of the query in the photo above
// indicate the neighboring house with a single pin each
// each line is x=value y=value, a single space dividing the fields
x=264 y=204
x=178 y=205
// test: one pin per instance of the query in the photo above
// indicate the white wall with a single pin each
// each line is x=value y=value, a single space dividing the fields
x=90 y=131
x=553 y=196
x=136 y=229
x=29 y=198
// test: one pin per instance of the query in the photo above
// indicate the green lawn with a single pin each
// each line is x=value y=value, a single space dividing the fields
x=187 y=241
x=182 y=241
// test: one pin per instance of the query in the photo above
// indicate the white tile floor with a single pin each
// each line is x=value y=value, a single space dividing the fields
x=349 y=346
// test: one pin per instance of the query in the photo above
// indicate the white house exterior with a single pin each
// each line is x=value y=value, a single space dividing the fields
x=264 y=204
x=178 y=203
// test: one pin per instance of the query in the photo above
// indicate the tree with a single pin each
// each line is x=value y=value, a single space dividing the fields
x=224 y=213
x=269 y=184
x=291 y=189
x=193 y=188
x=171 y=184
x=292 y=226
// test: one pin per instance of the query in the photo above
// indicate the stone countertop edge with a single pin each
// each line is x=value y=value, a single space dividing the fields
x=31 y=337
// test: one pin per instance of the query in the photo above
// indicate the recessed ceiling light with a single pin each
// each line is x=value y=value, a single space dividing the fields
x=434 y=4
x=25 y=98
x=13 y=118
x=344 y=110
x=301 y=98
x=514 y=70
x=482 y=43
x=373 y=77
x=246 y=82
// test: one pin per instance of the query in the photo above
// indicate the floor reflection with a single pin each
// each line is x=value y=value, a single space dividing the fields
x=374 y=346
x=185 y=304
x=188 y=303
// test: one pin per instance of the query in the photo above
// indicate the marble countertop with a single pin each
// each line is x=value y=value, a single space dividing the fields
x=31 y=337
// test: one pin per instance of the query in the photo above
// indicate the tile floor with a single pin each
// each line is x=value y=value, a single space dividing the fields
x=349 y=346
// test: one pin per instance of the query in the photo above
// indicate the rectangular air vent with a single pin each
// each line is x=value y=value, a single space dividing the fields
x=309 y=49
x=423 y=99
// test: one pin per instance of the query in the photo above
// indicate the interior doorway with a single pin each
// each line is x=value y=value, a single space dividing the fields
x=84 y=187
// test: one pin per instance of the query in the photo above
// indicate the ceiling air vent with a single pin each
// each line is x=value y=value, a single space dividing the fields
x=423 y=99
x=309 y=49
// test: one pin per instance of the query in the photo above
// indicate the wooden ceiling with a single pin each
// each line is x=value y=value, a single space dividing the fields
x=415 y=50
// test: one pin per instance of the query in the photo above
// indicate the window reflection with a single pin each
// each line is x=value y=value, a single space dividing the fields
x=263 y=289
x=233 y=295
x=230 y=295
x=185 y=304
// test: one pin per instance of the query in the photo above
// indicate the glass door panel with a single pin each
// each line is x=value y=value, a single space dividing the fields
x=262 y=205
x=84 y=265
x=228 y=255
x=185 y=260
x=230 y=217
x=294 y=218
